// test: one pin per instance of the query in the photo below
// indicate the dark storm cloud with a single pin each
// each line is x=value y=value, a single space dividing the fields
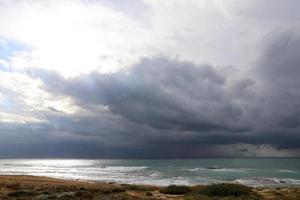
x=279 y=72
x=160 y=93
x=106 y=137
x=159 y=107
x=180 y=103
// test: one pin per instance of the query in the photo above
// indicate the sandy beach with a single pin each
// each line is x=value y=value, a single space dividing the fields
x=39 y=188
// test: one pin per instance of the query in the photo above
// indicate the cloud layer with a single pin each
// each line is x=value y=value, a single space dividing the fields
x=157 y=100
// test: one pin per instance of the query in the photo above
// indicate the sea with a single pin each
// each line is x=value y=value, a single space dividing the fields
x=267 y=172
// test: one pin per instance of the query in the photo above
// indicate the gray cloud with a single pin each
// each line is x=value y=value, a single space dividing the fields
x=160 y=106
x=160 y=93
x=187 y=104
x=278 y=72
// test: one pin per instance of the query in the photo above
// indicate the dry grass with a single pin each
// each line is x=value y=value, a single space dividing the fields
x=175 y=189
x=226 y=190
x=42 y=188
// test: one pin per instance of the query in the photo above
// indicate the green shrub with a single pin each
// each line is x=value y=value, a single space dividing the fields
x=175 y=189
x=118 y=189
x=20 y=193
x=138 y=187
x=225 y=189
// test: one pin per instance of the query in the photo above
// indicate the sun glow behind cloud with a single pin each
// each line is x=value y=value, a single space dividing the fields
x=24 y=99
x=76 y=37
x=70 y=37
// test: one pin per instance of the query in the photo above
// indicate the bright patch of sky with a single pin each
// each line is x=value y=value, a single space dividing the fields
x=7 y=48
x=75 y=37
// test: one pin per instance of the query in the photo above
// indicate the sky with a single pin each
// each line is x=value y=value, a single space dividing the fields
x=149 y=78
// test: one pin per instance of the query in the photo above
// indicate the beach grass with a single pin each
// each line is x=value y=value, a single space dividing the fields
x=222 y=191
x=43 y=188
x=225 y=190
x=175 y=189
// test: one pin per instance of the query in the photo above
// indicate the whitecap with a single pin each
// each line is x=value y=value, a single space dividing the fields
x=258 y=182
x=286 y=171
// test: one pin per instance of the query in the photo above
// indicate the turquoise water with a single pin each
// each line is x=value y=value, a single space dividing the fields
x=253 y=172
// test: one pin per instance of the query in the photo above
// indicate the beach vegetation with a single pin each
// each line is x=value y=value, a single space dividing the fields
x=20 y=193
x=225 y=189
x=175 y=189
x=138 y=187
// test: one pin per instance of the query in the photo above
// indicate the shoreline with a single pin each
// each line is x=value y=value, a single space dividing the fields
x=281 y=184
x=35 y=187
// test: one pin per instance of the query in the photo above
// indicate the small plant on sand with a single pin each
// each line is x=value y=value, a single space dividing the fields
x=175 y=189
x=20 y=193
x=225 y=189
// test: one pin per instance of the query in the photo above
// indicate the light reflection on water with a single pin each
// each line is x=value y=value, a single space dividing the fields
x=254 y=172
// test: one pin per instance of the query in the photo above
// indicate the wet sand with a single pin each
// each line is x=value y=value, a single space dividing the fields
x=44 y=188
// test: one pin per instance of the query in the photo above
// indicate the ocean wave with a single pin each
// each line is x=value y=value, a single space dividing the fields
x=124 y=168
x=195 y=169
x=217 y=169
x=286 y=171
x=158 y=182
x=155 y=175
x=153 y=172
x=16 y=165
x=258 y=182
